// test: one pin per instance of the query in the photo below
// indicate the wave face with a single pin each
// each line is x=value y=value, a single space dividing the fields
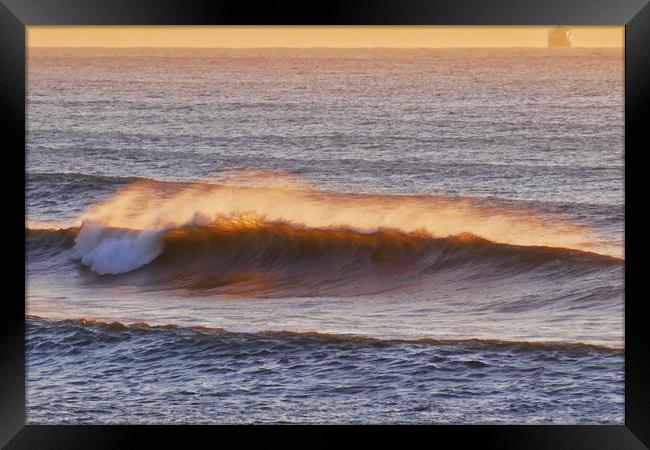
x=258 y=258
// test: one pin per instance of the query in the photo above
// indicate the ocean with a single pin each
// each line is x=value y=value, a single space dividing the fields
x=325 y=236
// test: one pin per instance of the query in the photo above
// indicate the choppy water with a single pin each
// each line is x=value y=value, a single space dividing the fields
x=428 y=236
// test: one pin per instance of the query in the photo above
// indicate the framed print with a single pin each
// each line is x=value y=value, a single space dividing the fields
x=414 y=214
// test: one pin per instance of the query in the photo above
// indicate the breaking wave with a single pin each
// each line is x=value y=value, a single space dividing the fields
x=266 y=258
x=268 y=234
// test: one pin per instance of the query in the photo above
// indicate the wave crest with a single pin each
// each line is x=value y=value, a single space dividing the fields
x=272 y=198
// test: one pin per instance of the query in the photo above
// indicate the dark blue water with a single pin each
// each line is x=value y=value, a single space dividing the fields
x=175 y=375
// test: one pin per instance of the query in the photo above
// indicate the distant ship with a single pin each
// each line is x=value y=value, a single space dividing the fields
x=559 y=37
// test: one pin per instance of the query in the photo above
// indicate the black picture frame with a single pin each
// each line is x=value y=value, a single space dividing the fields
x=15 y=15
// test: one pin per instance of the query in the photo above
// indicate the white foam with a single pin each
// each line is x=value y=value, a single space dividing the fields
x=111 y=251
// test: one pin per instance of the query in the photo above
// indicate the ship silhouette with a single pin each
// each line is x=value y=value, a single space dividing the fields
x=559 y=37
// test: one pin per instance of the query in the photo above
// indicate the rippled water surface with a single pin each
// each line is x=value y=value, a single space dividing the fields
x=325 y=236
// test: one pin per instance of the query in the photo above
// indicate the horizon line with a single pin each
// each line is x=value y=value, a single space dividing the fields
x=314 y=48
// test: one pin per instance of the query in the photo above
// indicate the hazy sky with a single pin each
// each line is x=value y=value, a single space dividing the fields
x=314 y=36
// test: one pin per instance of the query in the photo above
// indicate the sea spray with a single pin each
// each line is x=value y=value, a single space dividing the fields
x=151 y=206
